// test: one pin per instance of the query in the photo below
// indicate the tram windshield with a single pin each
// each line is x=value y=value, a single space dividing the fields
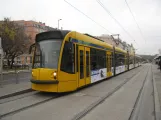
x=47 y=54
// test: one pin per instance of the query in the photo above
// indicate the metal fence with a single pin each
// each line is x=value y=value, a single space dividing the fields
x=16 y=76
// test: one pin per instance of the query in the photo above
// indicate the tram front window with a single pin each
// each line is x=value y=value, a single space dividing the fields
x=47 y=54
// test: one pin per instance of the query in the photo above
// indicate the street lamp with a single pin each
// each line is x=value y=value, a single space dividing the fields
x=58 y=23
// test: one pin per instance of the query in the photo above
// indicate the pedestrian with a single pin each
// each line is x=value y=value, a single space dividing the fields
x=160 y=64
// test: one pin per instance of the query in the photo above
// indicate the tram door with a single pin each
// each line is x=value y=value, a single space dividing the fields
x=109 y=64
x=83 y=66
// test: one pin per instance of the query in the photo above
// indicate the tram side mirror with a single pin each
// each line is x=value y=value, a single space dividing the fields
x=31 y=48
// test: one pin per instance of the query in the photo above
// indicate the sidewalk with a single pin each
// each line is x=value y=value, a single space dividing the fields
x=157 y=77
x=14 y=89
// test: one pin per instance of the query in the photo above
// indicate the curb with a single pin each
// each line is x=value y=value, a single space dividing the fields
x=13 y=72
x=16 y=93
x=156 y=100
x=10 y=72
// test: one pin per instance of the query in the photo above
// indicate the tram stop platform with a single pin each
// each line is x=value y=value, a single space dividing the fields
x=14 y=89
x=157 y=77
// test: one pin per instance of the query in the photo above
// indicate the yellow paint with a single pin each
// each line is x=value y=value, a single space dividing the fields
x=45 y=87
x=81 y=81
x=67 y=86
x=120 y=50
x=109 y=63
x=43 y=74
x=88 y=79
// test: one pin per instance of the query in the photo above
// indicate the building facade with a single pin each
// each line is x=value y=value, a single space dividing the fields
x=31 y=29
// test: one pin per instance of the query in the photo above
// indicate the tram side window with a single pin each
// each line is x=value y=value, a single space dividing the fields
x=37 y=57
x=101 y=59
x=120 y=59
x=98 y=59
x=131 y=61
x=67 y=61
x=93 y=59
x=117 y=59
x=137 y=60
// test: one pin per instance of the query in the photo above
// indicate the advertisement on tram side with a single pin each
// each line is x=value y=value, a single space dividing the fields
x=97 y=75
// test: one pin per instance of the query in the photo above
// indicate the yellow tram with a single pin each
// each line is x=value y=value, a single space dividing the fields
x=67 y=60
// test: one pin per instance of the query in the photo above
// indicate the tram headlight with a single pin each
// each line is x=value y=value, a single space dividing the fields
x=54 y=74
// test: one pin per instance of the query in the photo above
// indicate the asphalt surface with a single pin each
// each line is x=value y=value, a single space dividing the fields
x=68 y=106
x=121 y=105
x=11 y=78
x=145 y=108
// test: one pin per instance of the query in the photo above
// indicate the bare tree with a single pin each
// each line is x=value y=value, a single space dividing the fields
x=14 y=40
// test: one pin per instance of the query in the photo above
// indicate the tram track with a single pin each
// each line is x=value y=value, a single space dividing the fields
x=146 y=97
x=16 y=97
x=132 y=115
x=16 y=94
x=102 y=99
x=28 y=105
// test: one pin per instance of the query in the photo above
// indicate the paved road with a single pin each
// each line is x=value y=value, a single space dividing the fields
x=66 y=107
x=118 y=106
x=11 y=78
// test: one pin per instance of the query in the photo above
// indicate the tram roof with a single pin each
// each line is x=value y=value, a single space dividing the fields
x=120 y=50
x=90 y=40
x=55 y=34
x=86 y=38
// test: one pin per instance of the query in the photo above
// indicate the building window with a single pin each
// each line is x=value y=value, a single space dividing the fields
x=30 y=59
x=25 y=59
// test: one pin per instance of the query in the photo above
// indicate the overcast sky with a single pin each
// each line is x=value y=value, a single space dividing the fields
x=147 y=14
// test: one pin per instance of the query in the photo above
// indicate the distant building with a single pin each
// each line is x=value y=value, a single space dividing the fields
x=159 y=52
x=117 y=42
x=24 y=59
x=32 y=28
x=107 y=38
x=157 y=57
x=113 y=41
x=131 y=49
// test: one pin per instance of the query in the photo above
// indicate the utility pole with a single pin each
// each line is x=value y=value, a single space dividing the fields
x=1 y=60
x=58 y=23
x=117 y=38
x=116 y=35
